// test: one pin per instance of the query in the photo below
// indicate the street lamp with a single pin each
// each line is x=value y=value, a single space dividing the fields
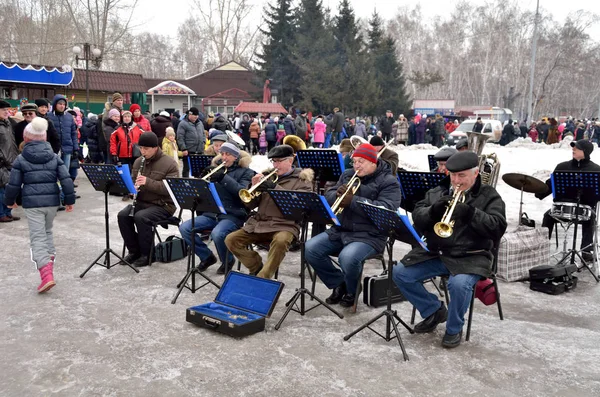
x=89 y=54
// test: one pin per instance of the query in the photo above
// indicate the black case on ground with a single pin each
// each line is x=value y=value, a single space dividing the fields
x=553 y=280
x=241 y=306
x=375 y=293
x=171 y=249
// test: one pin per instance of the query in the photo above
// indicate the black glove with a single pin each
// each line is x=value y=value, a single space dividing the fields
x=267 y=185
x=218 y=176
x=207 y=170
x=347 y=200
x=341 y=190
x=463 y=211
x=115 y=159
x=75 y=154
x=437 y=209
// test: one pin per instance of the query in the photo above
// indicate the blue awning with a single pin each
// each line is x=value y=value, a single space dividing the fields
x=32 y=75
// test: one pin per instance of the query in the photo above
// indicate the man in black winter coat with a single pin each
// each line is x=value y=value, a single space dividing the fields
x=464 y=256
x=580 y=162
x=357 y=238
x=30 y=111
x=385 y=125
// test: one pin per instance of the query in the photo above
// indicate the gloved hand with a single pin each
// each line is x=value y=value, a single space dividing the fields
x=218 y=176
x=207 y=170
x=437 y=209
x=463 y=211
x=267 y=185
x=115 y=159
x=341 y=190
x=347 y=200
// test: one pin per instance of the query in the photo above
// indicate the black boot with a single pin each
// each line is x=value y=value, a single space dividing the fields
x=141 y=261
x=431 y=322
x=208 y=262
x=337 y=294
x=130 y=258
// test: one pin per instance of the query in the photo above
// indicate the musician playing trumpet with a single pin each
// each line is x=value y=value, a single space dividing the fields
x=357 y=238
x=268 y=225
x=228 y=180
x=153 y=202
x=459 y=248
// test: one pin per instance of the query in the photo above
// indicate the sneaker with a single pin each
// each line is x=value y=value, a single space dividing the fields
x=47 y=278
x=431 y=322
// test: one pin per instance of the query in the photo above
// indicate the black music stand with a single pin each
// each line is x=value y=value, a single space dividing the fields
x=432 y=162
x=195 y=195
x=303 y=207
x=198 y=162
x=388 y=222
x=569 y=186
x=108 y=179
x=414 y=185
x=327 y=164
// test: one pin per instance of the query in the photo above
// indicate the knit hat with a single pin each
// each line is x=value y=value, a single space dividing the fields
x=116 y=96
x=366 y=151
x=219 y=137
x=126 y=112
x=376 y=141
x=148 y=139
x=346 y=146
x=113 y=112
x=194 y=111
x=92 y=116
x=42 y=102
x=586 y=146
x=169 y=131
x=164 y=114
x=135 y=107
x=36 y=130
x=4 y=104
x=230 y=148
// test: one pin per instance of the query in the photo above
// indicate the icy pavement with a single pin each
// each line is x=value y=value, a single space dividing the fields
x=115 y=333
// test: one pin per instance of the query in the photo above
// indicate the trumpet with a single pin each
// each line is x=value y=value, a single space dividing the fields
x=206 y=178
x=137 y=188
x=445 y=227
x=247 y=195
x=353 y=184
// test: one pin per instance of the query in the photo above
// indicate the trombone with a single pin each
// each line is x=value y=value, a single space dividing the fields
x=445 y=227
x=247 y=195
x=206 y=178
x=354 y=182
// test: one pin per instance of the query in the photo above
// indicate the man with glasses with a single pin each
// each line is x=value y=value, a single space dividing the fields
x=30 y=112
x=8 y=154
x=153 y=202
x=357 y=238
x=268 y=225
x=51 y=134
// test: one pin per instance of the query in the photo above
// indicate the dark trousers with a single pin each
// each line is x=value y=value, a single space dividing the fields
x=140 y=241
x=255 y=145
x=271 y=145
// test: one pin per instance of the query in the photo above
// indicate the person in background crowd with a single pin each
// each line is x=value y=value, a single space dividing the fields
x=300 y=125
x=65 y=125
x=360 y=129
x=402 y=137
x=191 y=137
x=138 y=118
x=221 y=123
x=262 y=143
x=30 y=111
x=175 y=120
x=110 y=124
x=385 y=125
x=271 y=133
x=8 y=154
x=553 y=132
x=34 y=176
x=117 y=103
x=170 y=148
x=388 y=155
x=478 y=126
x=421 y=128
x=462 y=145
x=441 y=157
x=254 y=135
x=336 y=123
x=412 y=131
x=346 y=150
x=533 y=132
x=160 y=123
x=89 y=129
x=543 y=128
x=52 y=135
x=215 y=144
x=245 y=130
x=319 y=133
x=438 y=131
x=580 y=131
x=123 y=139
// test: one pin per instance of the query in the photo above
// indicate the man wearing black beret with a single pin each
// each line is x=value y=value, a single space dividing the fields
x=153 y=202
x=581 y=151
x=441 y=157
x=268 y=225
x=465 y=256
x=388 y=155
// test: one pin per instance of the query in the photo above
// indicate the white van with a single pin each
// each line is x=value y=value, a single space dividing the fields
x=490 y=127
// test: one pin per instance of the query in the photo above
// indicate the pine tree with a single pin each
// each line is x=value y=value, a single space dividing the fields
x=275 y=62
x=388 y=72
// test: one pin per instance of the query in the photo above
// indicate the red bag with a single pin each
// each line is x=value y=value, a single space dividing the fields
x=485 y=292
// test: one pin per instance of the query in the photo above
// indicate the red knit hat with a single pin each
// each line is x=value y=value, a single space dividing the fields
x=366 y=151
x=135 y=107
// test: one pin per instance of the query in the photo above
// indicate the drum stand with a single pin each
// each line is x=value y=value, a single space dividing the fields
x=573 y=251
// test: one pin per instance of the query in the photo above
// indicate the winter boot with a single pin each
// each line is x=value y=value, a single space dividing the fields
x=47 y=278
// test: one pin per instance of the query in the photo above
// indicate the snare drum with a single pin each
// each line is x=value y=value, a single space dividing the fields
x=569 y=211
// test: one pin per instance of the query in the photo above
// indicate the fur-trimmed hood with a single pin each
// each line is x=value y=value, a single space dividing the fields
x=306 y=174
x=243 y=161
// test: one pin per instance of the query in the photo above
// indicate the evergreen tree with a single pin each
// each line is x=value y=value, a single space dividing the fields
x=275 y=62
x=388 y=72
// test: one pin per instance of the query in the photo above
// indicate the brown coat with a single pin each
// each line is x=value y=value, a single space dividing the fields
x=268 y=217
x=156 y=169
x=254 y=130
x=210 y=150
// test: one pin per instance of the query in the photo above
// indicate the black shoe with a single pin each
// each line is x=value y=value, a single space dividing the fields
x=294 y=247
x=62 y=208
x=224 y=270
x=130 y=258
x=348 y=300
x=141 y=261
x=451 y=341
x=587 y=256
x=258 y=271
x=337 y=294
x=431 y=322
x=208 y=262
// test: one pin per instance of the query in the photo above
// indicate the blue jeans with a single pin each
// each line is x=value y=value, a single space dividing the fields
x=327 y=143
x=4 y=210
x=219 y=230
x=351 y=258
x=460 y=286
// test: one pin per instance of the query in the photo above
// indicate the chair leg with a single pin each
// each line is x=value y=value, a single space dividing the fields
x=412 y=316
x=498 y=298
x=470 y=315
x=358 y=291
x=383 y=264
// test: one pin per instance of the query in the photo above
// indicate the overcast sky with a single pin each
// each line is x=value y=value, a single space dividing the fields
x=153 y=16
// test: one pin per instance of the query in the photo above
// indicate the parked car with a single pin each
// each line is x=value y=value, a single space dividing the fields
x=490 y=127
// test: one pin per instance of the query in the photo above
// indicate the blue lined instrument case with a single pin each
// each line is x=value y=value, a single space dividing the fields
x=241 y=306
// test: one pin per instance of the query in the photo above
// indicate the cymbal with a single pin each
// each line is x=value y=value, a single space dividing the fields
x=528 y=183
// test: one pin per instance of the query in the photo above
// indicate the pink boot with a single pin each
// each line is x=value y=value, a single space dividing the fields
x=47 y=278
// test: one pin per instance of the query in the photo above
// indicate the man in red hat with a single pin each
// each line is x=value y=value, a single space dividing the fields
x=357 y=238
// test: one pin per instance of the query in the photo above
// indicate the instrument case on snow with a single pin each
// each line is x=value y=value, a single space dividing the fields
x=553 y=280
